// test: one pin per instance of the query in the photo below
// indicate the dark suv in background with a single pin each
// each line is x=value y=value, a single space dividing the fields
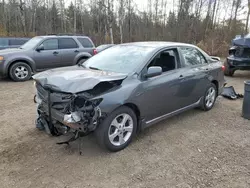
x=44 y=52
x=12 y=42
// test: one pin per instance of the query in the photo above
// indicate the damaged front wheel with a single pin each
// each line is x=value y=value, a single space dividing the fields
x=117 y=130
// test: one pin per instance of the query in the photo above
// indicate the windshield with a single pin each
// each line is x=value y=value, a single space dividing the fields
x=122 y=58
x=31 y=43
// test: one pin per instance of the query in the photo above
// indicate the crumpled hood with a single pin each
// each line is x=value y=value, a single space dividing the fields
x=75 y=79
x=10 y=51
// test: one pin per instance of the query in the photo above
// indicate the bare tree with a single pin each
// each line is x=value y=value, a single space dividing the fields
x=75 y=10
x=22 y=16
x=121 y=13
x=156 y=10
x=248 y=14
x=237 y=4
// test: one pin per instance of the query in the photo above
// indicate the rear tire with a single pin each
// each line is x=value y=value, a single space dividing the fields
x=117 y=130
x=209 y=97
x=20 y=72
x=228 y=71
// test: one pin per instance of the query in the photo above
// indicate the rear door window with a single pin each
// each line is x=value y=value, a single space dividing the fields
x=86 y=43
x=67 y=43
x=3 y=42
x=192 y=56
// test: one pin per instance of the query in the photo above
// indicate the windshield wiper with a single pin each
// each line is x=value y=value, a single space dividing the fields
x=94 y=68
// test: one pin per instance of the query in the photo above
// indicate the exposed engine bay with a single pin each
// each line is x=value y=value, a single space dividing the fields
x=67 y=99
x=60 y=112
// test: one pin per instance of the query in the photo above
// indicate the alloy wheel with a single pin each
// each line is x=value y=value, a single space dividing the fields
x=210 y=97
x=21 y=72
x=120 y=129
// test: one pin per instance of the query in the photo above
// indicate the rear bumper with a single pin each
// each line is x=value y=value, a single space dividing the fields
x=239 y=63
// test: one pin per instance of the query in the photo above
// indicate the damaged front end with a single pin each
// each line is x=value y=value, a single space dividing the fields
x=239 y=53
x=60 y=112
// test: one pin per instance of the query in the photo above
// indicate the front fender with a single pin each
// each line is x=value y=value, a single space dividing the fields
x=81 y=55
x=119 y=96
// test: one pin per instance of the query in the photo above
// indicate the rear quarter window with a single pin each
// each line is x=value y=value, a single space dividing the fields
x=86 y=43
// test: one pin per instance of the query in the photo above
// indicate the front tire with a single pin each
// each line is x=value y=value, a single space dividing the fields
x=20 y=72
x=117 y=131
x=209 y=97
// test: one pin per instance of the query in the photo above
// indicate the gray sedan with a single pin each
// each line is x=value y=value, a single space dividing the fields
x=125 y=89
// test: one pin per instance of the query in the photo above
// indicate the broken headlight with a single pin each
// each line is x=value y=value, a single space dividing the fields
x=72 y=118
x=87 y=111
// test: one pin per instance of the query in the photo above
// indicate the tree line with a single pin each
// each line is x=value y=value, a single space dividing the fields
x=210 y=24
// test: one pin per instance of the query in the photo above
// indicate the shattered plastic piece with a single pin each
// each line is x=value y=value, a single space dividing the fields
x=72 y=118
x=229 y=93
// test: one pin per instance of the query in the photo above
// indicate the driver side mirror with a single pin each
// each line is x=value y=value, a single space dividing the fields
x=153 y=71
x=40 y=48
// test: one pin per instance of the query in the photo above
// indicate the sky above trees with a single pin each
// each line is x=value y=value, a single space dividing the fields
x=210 y=24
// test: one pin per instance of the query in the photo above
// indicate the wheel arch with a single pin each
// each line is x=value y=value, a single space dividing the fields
x=22 y=61
x=216 y=83
x=137 y=112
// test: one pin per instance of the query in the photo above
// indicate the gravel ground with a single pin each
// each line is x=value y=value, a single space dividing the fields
x=194 y=149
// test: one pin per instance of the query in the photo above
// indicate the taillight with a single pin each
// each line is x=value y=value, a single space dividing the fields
x=223 y=67
x=94 y=51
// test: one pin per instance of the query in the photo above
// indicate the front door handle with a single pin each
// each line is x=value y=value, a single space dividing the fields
x=181 y=77
x=55 y=53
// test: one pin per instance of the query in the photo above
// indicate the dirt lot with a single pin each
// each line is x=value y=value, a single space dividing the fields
x=194 y=149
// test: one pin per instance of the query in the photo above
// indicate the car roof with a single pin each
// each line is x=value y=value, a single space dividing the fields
x=63 y=36
x=14 y=38
x=158 y=44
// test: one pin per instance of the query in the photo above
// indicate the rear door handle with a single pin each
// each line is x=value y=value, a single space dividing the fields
x=55 y=53
x=76 y=51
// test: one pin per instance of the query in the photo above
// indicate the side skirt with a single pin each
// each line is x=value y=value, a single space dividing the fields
x=165 y=116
